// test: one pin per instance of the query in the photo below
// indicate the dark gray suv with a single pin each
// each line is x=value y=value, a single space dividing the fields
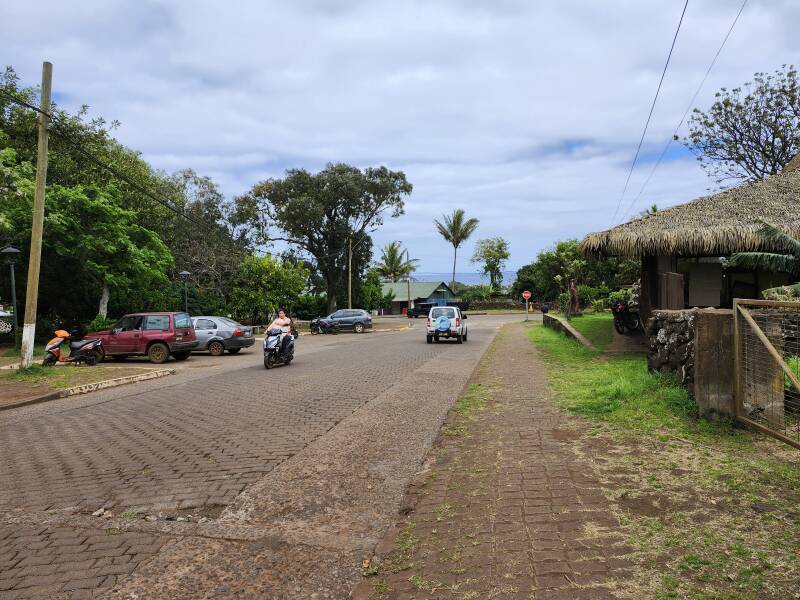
x=349 y=318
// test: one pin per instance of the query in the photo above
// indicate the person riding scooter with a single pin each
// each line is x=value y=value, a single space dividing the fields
x=285 y=324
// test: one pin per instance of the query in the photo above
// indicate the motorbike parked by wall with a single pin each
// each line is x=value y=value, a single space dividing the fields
x=321 y=325
x=626 y=317
x=89 y=352
x=274 y=353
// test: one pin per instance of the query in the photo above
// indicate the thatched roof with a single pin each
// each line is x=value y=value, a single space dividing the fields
x=719 y=224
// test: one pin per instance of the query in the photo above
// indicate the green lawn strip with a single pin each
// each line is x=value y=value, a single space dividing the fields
x=725 y=521
x=598 y=328
x=59 y=378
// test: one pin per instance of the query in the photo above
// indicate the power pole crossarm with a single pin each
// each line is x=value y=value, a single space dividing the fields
x=35 y=258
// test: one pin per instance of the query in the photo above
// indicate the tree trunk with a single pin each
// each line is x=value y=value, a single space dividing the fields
x=102 y=310
x=330 y=285
x=455 y=253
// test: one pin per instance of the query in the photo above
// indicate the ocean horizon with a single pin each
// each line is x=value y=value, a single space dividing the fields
x=466 y=278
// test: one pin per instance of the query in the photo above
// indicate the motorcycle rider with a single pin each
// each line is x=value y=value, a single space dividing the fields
x=285 y=324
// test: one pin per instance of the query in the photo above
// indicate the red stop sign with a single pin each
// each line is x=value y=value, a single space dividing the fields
x=526 y=294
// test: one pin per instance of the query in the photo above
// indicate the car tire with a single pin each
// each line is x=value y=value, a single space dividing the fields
x=465 y=336
x=181 y=355
x=358 y=328
x=216 y=348
x=459 y=339
x=158 y=353
x=234 y=350
x=429 y=339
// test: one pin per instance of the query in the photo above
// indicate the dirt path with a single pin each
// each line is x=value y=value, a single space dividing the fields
x=507 y=509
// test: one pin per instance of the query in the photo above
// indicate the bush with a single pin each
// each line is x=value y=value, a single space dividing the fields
x=100 y=323
x=308 y=306
x=598 y=305
x=624 y=294
x=563 y=303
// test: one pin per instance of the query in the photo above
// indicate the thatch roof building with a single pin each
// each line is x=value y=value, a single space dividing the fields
x=683 y=247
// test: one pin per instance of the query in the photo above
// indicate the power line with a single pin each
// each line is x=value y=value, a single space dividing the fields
x=688 y=108
x=650 y=115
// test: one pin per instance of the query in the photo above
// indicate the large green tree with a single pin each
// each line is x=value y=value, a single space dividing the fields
x=456 y=229
x=493 y=254
x=322 y=213
x=749 y=132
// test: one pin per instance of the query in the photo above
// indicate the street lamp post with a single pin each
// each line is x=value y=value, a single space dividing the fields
x=185 y=276
x=11 y=255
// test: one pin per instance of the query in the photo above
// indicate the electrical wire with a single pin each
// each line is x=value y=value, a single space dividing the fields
x=686 y=112
x=650 y=115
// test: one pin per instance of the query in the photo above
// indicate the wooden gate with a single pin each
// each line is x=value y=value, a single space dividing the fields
x=767 y=367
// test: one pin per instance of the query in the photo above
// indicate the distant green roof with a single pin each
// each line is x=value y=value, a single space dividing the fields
x=419 y=289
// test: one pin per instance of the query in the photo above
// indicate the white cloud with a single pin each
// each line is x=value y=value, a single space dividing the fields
x=525 y=114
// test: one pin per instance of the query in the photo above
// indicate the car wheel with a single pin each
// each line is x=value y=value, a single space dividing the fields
x=429 y=339
x=234 y=350
x=465 y=336
x=119 y=357
x=158 y=353
x=181 y=355
x=358 y=328
x=459 y=339
x=216 y=348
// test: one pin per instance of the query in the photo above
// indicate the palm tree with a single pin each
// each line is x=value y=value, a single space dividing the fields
x=456 y=230
x=392 y=265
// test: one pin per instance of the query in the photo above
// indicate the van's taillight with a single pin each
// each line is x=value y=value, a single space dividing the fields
x=429 y=321
x=458 y=323
x=238 y=332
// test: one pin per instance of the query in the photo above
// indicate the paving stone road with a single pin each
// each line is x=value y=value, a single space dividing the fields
x=189 y=444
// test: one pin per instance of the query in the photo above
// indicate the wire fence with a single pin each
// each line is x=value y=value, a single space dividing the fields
x=768 y=367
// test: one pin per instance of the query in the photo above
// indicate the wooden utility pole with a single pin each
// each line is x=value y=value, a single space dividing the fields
x=350 y=272
x=34 y=261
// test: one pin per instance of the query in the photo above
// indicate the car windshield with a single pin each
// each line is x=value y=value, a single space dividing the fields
x=230 y=322
x=444 y=311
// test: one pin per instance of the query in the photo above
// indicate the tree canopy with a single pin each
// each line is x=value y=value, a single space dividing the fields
x=749 y=132
x=321 y=212
x=493 y=254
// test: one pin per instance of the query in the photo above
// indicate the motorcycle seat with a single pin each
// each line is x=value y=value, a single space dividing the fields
x=79 y=344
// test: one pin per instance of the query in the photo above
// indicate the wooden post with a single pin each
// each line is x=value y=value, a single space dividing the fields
x=408 y=286
x=34 y=261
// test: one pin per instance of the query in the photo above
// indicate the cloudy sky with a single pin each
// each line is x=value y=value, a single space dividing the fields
x=526 y=114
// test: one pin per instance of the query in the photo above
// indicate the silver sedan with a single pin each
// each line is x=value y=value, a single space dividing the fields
x=218 y=334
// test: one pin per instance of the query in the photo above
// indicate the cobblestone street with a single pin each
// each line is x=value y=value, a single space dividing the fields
x=186 y=445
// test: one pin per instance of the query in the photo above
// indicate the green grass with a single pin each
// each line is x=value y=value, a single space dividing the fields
x=57 y=378
x=14 y=353
x=598 y=328
x=708 y=477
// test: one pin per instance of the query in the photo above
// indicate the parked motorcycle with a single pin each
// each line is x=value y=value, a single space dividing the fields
x=318 y=325
x=273 y=356
x=88 y=351
x=626 y=317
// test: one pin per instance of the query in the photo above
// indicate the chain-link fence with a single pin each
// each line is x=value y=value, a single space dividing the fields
x=767 y=364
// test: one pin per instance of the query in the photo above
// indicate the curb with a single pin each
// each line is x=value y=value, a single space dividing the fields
x=90 y=387
x=566 y=328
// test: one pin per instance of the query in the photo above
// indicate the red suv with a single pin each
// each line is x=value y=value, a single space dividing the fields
x=157 y=335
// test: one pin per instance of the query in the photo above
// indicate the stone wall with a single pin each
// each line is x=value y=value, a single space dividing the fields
x=671 y=343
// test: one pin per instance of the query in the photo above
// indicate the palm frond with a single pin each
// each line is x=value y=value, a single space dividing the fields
x=780 y=239
x=766 y=261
